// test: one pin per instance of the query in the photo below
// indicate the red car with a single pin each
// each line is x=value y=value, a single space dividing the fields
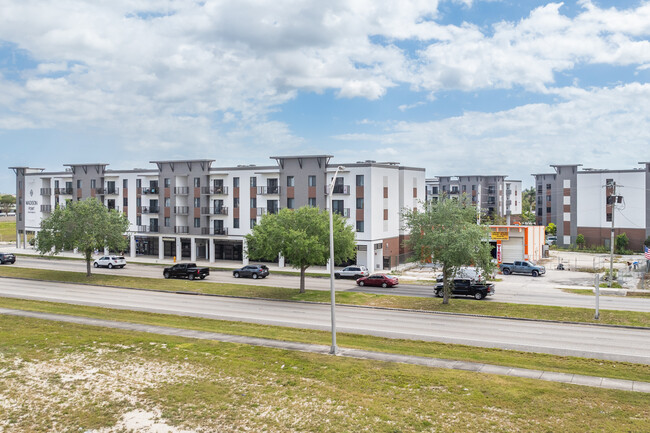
x=382 y=280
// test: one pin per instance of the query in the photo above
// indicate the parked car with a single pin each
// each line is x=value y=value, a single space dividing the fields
x=379 y=280
x=522 y=267
x=110 y=262
x=465 y=287
x=186 y=270
x=252 y=271
x=551 y=240
x=355 y=272
x=7 y=258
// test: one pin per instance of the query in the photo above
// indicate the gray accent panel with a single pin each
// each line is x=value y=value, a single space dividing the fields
x=301 y=168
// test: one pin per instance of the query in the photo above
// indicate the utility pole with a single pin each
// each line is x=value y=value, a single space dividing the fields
x=612 y=198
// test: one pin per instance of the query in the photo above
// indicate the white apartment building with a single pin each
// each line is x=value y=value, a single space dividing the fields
x=193 y=210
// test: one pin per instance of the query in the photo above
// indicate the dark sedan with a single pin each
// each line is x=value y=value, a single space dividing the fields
x=378 y=280
x=251 y=271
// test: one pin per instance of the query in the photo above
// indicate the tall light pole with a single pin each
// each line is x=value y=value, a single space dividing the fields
x=333 y=298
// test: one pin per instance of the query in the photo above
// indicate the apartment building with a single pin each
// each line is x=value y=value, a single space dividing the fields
x=195 y=210
x=584 y=201
x=493 y=195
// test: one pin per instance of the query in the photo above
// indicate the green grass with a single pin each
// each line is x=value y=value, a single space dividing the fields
x=456 y=305
x=564 y=364
x=67 y=377
x=7 y=231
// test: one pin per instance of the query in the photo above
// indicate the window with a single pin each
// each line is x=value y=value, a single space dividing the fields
x=197 y=202
x=539 y=200
x=253 y=222
x=235 y=223
x=167 y=221
x=138 y=183
x=78 y=183
x=359 y=226
x=253 y=182
x=168 y=202
x=359 y=180
x=434 y=190
x=360 y=203
x=125 y=183
x=548 y=198
x=235 y=182
x=539 y=211
x=548 y=210
x=337 y=207
x=272 y=206
x=125 y=202
x=235 y=202
x=548 y=186
x=609 y=216
x=539 y=188
x=464 y=188
x=197 y=182
x=609 y=182
x=311 y=181
x=253 y=202
x=290 y=203
x=197 y=222
x=311 y=201
x=138 y=201
x=290 y=181
x=138 y=220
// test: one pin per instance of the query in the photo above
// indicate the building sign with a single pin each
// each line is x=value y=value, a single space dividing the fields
x=499 y=252
x=500 y=236
x=31 y=204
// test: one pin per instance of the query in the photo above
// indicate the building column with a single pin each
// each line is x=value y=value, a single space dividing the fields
x=161 y=248
x=370 y=257
x=243 y=252
x=211 y=250
x=132 y=246
x=327 y=265
x=280 y=261
x=17 y=239
x=192 y=249
x=179 y=250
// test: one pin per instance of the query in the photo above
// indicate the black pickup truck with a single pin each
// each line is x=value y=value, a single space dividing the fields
x=186 y=270
x=466 y=287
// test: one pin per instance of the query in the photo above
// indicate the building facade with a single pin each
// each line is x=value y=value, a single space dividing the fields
x=585 y=201
x=493 y=195
x=192 y=209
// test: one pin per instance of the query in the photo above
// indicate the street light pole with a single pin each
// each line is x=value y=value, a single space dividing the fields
x=333 y=349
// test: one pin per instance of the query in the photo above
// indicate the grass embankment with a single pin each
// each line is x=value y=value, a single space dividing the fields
x=7 y=231
x=457 y=305
x=65 y=377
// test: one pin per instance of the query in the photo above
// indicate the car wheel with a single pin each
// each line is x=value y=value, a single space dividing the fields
x=506 y=271
x=236 y=274
x=361 y=283
x=110 y=266
x=478 y=296
x=384 y=285
x=439 y=293
x=202 y=277
x=535 y=274
x=96 y=264
x=337 y=276
x=190 y=276
x=166 y=274
x=255 y=276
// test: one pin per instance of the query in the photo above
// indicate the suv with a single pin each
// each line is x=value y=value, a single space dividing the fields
x=352 y=272
x=110 y=262
x=7 y=258
x=465 y=287
x=253 y=271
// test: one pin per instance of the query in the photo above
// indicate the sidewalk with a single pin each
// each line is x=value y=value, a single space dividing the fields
x=574 y=379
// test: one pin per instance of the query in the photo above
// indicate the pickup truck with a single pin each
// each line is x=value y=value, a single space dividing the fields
x=522 y=267
x=466 y=287
x=186 y=270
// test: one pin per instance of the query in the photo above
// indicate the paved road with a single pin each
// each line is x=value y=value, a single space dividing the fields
x=518 y=289
x=619 y=344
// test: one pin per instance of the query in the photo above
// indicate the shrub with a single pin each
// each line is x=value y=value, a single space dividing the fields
x=621 y=242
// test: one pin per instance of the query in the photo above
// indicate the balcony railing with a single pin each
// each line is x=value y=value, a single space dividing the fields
x=218 y=190
x=339 y=189
x=107 y=191
x=46 y=191
x=148 y=229
x=181 y=210
x=67 y=191
x=151 y=190
x=182 y=190
x=220 y=210
x=215 y=231
x=150 y=209
x=345 y=212
x=205 y=211
x=264 y=190
x=46 y=208
x=181 y=229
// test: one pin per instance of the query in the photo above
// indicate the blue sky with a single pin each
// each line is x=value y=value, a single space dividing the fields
x=454 y=86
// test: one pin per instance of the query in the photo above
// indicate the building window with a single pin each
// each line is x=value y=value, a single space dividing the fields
x=311 y=201
x=93 y=183
x=272 y=206
x=290 y=203
x=434 y=190
x=253 y=182
x=125 y=183
x=359 y=226
x=290 y=181
x=197 y=182
x=125 y=202
x=539 y=211
x=197 y=222
x=253 y=202
x=360 y=203
x=168 y=202
x=235 y=202
x=78 y=183
x=311 y=180
x=167 y=182
x=359 y=180
x=539 y=188
x=197 y=202
x=548 y=186
x=464 y=188
x=138 y=183
x=167 y=221
x=548 y=198
x=253 y=222
x=235 y=182
x=609 y=217
x=138 y=220
x=138 y=202
x=235 y=223
x=548 y=210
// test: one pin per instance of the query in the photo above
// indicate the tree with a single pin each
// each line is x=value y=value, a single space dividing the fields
x=551 y=229
x=6 y=202
x=528 y=206
x=85 y=225
x=621 y=242
x=580 y=240
x=302 y=237
x=647 y=242
x=447 y=232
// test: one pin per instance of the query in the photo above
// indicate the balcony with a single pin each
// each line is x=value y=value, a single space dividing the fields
x=220 y=210
x=150 y=209
x=261 y=211
x=205 y=211
x=508 y=192
x=64 y=191
x=181 y=210
x=339 y=189
x=181 y=229
x=46 y=191
x=215 y=231
x=46 y=208
x=151 y=190
x=345 y=212
x=182 y=190
x=219 y=190
x=107 y=191
x=148 y=229
x=267 y=190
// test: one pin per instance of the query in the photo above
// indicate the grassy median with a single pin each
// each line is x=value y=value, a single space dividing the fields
x=457 y=305
x=67 y=377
